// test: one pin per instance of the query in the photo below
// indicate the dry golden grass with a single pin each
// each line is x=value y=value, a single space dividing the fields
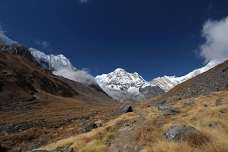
x=199 y=115
x=204 y=114
x=95 y=140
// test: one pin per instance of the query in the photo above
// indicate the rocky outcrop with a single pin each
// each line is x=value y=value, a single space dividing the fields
x=184 y=133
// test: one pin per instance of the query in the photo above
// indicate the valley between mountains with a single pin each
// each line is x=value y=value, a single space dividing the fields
x=48 y=105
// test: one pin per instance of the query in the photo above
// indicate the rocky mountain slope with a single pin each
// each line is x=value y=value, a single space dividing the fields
x=36 y=105
x=191 y=117
x=61 y=66
x=122 y=85
x=216 y=79
x=43 y=112
x=169 y=82
x=195 y=120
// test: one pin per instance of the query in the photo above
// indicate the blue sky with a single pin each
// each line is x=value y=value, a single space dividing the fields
x=152 y=37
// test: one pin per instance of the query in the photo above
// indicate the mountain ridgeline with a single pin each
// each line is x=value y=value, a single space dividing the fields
x=119 y=84
x=216 y=79
x=122 y=86
x=21 y=72
x=39 y=104
x=34 y=103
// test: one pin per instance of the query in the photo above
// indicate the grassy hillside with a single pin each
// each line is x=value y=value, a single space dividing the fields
x=143 y=130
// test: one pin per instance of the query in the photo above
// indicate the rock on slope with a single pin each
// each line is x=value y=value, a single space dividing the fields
x=122 y=85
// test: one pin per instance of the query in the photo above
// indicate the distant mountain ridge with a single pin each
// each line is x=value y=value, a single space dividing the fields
x=118 y=84
x=61 y=66
x=122 y=85
x=169 y=82
x=52 y=62
x=215 y=79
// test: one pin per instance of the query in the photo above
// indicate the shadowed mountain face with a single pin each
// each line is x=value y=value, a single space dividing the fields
x=35 y=104
x=20 y=72
x=215 y=79
x=21 y=79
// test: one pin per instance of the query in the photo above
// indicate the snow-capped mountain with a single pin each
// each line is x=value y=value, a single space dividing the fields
x=52 y=62
x=122 y=85
x=58 y=64
x=61 y=66
x=118 y=84
x=169 y=82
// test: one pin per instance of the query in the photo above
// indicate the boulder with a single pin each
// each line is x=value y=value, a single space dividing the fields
x=184 y=133
x=89 y=126
x=99 y=123
x=127 y=109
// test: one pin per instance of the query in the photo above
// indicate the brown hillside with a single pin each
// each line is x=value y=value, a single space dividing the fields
x=215 y=79
x=37 y=107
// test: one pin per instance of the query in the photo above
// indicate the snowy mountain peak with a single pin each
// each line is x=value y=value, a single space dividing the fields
x=122 y=85
x=120 y=70
x=52 y=62
x=121 y=77
x=61 y=66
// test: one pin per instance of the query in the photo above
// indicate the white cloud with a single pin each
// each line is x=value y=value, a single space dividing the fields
x=62 y=67
x=4 y=39
x=216 y=45
x=81 y=76
x=43 y=44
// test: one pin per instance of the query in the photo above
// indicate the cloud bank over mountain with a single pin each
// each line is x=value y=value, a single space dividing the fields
x=61 y=66
x=81 y=76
